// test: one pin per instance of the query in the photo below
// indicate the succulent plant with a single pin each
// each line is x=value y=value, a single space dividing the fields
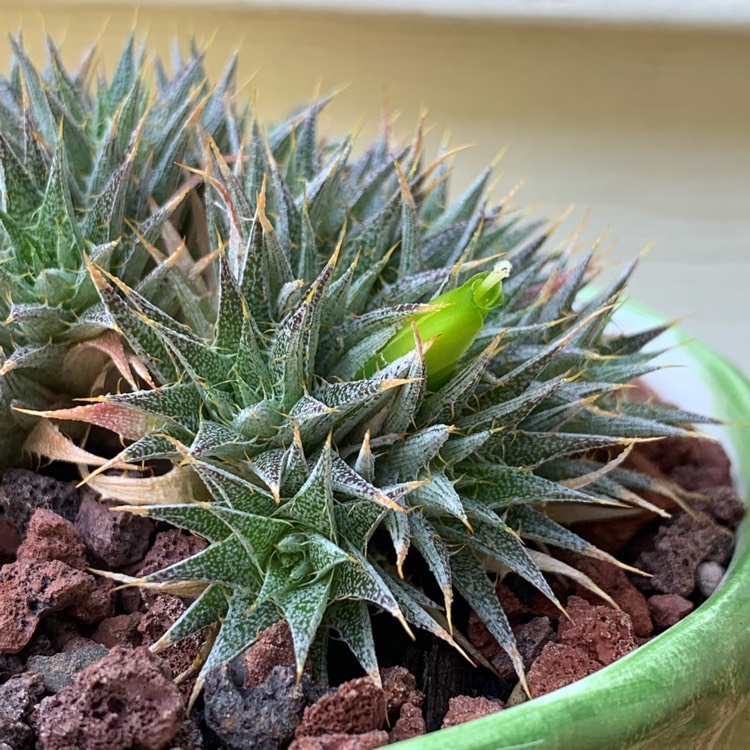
x=88 y=167
x=375 y=384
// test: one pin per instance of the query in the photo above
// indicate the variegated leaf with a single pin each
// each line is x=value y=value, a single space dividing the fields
x=470 y=578
x=313 y=504
x=303 y=609
x=351 y=620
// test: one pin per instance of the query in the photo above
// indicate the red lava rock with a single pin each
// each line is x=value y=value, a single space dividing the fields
x=120 y=630
x=668 y=609
x=722 y=503
x=357 y=706
x=98 y=605
x=274 y=648
x=464 y=708
x=693 y=463
x=23 y=491
x=169 y=547
x=680 y=546
x=605 y=634
x=530 y=639
x=613 y=580
x=708 y=466
x=410 y=724
x=366 y=741
x=558 y=665
x=10 y=540
x=29 y=590
x=18 y=696
x=162 y=610
x=116 y=538
x=126 y=700
x=76 y=643
x=400 y=687
x=52 y=537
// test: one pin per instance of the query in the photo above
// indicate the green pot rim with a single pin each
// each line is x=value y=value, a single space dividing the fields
x=688 y=687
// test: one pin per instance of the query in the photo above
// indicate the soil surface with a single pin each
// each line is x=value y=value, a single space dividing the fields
x=76 y=673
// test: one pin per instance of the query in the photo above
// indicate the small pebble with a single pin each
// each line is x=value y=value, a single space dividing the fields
x=708 y=577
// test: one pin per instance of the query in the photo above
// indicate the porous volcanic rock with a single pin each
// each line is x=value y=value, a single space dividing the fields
x=52 y=537
x=534 y=600
x=116 y=538
x=604 y=633
x=169 y=547
x=63 y=632
x=59 y=670
x=724 y=504
x=465 y=708
x=531 y=638
x=273 y=648
x=39 y=645
x=22 y=492
x=18 y=696
x=357 y=706
x=400 y=687
x=694 y=464
x=188 y=738
x=680 y=546
x=159 y=613
x=707 y=466
x=613 y=581
x=477 y=631
x=99 y=604
x=263 y=717
x=410 y=724
x=29 y=590
x=120 y=630
x=10 y=664
x=366 y=741
x=124 y=701
x=162 y=610
x=558 y=665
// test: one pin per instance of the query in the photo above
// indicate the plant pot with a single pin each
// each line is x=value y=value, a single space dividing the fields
x=689 y=687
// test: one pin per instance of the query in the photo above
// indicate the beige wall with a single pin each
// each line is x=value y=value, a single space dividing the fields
x=650 y=130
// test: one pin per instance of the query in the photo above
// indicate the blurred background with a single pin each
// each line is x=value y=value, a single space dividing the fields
x=640 y=120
